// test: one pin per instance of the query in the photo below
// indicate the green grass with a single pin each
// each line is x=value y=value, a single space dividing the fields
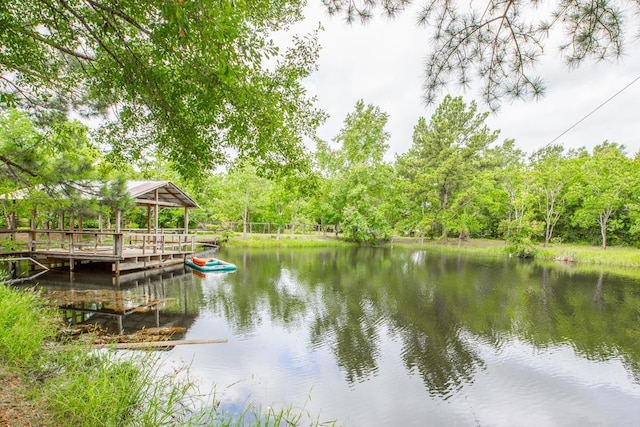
x=614 y=256
x=267 y=417
x=77 y=386
x=80 y=387
x=285 y=240
x=26 y=323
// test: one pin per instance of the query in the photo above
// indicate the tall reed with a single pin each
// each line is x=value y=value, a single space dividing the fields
x=26 y=324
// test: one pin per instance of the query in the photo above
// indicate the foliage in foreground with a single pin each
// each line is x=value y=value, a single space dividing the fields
x=498 y=43
x=79 y=387
x=25 y=325
x=188 y=79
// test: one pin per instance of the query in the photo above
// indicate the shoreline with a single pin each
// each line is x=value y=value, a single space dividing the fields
x=572 y=255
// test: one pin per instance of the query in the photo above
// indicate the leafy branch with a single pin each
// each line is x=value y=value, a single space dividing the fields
x=500 y=43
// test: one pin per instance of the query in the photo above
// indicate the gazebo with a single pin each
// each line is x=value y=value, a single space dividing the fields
x=123 y=249
x=157 y=194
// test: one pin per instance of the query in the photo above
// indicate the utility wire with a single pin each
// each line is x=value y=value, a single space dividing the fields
x=592 y=111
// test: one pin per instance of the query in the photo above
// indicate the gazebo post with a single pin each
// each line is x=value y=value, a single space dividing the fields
x=34 y=214
x=155 y=208
x=155 y=220
x=80 y=226
x=117 y=243
x=186 y=220
x=118 y=215
x=72 y=227
x=72 y=239
x=100 y=229
x=13 y=224
x=148 y=219
x=32 y=234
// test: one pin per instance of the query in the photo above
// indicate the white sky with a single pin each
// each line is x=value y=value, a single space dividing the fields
x=382 y=63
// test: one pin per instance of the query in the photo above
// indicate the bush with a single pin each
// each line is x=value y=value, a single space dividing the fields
x=522 y=248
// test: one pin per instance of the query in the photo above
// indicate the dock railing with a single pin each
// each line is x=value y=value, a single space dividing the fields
x=94 y=242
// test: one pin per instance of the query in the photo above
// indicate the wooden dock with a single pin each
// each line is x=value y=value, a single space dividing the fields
x=120 y=251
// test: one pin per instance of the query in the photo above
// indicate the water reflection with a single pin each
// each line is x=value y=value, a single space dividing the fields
x=125 y=304
x=454 y=339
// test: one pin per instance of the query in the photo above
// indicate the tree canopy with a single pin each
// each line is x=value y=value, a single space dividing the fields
x=196 y=81
x=499 y=42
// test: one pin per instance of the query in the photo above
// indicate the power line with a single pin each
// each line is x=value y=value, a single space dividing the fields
x=592 y=111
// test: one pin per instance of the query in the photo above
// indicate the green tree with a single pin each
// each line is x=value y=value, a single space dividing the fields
x=244 y=193
x=363 y=139
x=360 y=179
x=519 y=226
x=190 y=79
x=286 y=197
x=20 y=147
x=603 y=188
x=551 y=178
x=633 y=204
x=445 y=155
x=499 y=42
x=52 y=167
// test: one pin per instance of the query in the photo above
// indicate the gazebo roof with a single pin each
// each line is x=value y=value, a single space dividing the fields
x=169 y=195
x=143 y=192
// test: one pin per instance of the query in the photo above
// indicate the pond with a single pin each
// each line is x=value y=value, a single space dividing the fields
x=388 y=336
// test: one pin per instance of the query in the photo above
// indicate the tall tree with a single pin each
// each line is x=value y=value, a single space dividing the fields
x=363 y=138
x=360 y=178
x=60 y=155
x=20 y=162
x=499 y=42
x=445 y=155
x=550 y=180
x=244 y=193
x=518 y=227
x=605 y=181
x=633 y=204
x=190 y=79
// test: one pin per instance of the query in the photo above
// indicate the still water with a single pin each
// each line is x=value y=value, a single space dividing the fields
x=381 y=337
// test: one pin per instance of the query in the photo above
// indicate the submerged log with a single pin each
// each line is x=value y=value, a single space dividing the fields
x=145 y=345
x=156 y=344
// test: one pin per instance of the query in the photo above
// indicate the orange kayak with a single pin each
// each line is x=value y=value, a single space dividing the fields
x=200 y=261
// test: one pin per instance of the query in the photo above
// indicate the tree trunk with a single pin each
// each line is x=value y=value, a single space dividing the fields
x=245 y=215
x=547 y=235
x=603 y=220
x=445 y=202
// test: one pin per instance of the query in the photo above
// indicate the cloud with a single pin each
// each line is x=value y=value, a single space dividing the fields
x=382 y=62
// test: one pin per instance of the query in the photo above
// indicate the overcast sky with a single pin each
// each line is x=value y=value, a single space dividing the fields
x=382 y=63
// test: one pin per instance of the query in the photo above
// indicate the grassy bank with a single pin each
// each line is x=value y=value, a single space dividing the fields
x=80 y=387
x=626 y=257
x=285 y=240
x=77 y=386
x=583 y=255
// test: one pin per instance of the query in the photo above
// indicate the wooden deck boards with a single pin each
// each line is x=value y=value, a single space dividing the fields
x=123 y=251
